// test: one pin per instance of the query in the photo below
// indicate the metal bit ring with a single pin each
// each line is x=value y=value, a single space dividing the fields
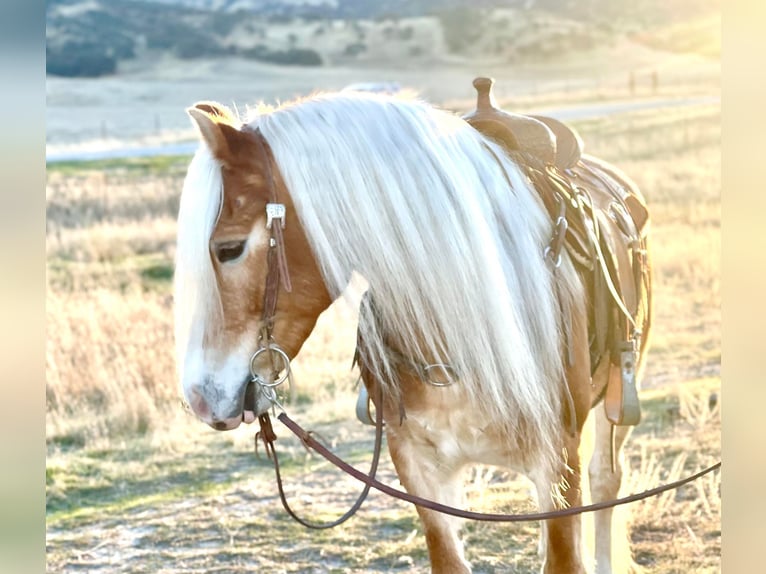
x=285 y=362
x=447 y=369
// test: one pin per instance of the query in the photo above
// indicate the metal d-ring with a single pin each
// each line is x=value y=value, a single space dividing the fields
x=271 y=396
x=285 y=362
x=547 y=252
x=447 y=369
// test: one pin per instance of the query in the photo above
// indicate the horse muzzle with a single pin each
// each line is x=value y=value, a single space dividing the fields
x=208 y=405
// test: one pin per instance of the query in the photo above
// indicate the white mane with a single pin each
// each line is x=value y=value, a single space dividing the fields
x=449 y=236
x=197 y=303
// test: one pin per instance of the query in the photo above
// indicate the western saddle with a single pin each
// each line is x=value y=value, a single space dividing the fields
x=548 y=139
x=601 y=219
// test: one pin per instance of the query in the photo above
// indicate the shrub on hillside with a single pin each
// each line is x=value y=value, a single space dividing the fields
x=290 y=57
x=462 y=27
x=222 y=23
x=190 y=48
x=79 y=60
x=355 y=49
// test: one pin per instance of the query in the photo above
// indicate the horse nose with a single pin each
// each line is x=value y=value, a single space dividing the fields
x=207 y=414
x=198 y=404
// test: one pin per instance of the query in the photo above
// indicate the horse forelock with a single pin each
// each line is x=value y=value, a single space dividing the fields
x=197 y=303
x=449 y=237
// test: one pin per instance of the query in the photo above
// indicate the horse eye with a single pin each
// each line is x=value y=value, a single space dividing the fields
x=229 y=251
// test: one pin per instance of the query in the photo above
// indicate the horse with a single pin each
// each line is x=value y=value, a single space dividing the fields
x=277 y=213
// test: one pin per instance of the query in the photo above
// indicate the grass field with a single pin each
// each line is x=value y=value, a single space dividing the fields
x=134 y=484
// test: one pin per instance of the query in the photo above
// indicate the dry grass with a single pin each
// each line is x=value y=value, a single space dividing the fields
x=179 y=506
x=136 y=485
x=679 y=531
x=109 y=361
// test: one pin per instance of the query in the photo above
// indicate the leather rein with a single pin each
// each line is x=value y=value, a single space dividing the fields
x=370 y=481
x=277 y=272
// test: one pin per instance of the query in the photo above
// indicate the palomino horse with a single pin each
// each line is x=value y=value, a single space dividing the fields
x=451 y=236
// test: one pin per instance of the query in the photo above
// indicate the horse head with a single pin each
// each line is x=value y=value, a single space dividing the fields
x=222 y=264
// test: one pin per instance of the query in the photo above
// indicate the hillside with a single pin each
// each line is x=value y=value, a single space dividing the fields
x=638 y=12
x=92 y=38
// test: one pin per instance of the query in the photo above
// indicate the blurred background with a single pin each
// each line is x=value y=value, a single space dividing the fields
x=125 y=70
x=133 y=482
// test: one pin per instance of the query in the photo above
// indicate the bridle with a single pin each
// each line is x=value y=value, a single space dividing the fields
x=276 y=269
x=278 y=272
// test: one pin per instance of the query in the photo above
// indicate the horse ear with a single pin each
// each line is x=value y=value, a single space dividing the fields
x=216 y=109
x=217 y=126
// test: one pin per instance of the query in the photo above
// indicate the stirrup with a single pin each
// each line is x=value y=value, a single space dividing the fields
x=363 y=410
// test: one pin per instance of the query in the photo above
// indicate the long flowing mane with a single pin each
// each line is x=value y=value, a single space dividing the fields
x=448 y=233
x=197 y=301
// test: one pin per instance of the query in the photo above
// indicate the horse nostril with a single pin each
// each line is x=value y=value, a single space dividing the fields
x=220 y=425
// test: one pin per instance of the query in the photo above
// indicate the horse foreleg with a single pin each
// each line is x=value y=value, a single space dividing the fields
x=420 y=472
x=561 y=541
x=561 y=538
x=612 y=550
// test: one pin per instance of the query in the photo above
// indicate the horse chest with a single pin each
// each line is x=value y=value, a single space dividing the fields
x=456 y=437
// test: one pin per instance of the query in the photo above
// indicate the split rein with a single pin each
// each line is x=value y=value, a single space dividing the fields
x=277 y=272
x=266 y=434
